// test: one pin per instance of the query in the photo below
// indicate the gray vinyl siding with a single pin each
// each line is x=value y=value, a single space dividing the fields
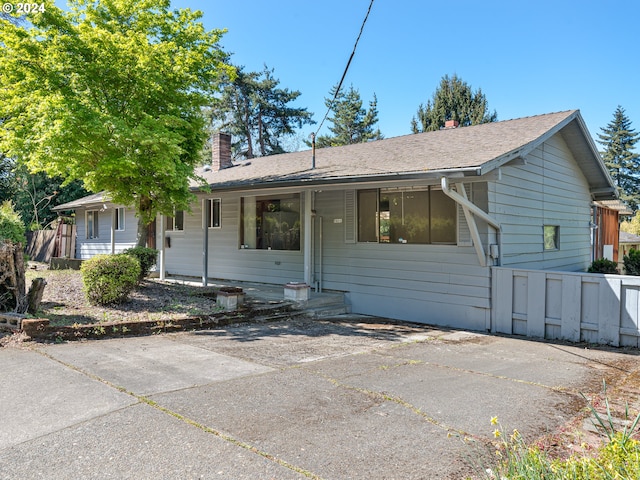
x=549 y=189
x=436 y=284
x=226 y=259
x=89 y=247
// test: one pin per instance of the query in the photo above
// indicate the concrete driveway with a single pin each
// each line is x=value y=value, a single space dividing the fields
x=344 y=399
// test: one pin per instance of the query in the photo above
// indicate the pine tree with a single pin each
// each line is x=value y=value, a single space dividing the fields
x=619 y=139
x=257 y=114
x=453 y=100
x=351 y=122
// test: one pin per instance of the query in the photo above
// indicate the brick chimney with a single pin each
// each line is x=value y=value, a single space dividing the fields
x=221 y=151
x=451 y=124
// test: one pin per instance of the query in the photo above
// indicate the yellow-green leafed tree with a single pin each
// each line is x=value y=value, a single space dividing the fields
x=633 y=225
x=111 y=92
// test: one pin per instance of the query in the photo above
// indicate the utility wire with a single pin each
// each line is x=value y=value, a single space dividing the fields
x=344 y=74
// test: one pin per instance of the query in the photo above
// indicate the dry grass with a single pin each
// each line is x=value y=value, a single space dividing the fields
x=64 y=302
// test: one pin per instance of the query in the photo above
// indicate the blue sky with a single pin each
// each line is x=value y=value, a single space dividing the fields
x=528 y=56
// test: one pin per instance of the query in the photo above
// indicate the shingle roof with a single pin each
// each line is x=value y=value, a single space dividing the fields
x=626 y=237
x=94 y=198
x=476 y=150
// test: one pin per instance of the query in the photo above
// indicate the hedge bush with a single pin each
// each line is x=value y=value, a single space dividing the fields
x=11 y=226
x=146 y=256
x=603 y=265
x=632 y=262
x=109 y=279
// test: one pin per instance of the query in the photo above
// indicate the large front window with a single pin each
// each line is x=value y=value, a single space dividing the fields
x=403 y=215
x=270 y=223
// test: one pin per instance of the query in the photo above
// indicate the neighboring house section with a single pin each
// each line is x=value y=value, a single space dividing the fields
x=408 y=227
x=628 y=241
x=606 y=228
x=101 y=226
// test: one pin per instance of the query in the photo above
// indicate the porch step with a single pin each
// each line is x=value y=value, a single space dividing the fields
x=325 y=305
x=327 y=312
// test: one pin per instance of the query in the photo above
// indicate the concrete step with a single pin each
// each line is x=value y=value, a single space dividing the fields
x=327 y=311
x=325 y=305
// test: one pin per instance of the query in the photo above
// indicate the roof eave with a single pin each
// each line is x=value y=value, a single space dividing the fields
x=524 y=150
x=310 y=182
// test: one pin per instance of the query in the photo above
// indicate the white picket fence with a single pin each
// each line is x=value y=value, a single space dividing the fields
x=590 y=307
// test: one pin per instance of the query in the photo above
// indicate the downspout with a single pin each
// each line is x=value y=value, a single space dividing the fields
x=162 y=253
x=113 y=231
x=470 y=210
x=307 y=239
x=206 y=214
x=320 y=241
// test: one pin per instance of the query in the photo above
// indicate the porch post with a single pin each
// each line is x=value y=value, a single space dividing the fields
x=206 y=204
x=308 y=232
x=161 y=254
x=113 y=230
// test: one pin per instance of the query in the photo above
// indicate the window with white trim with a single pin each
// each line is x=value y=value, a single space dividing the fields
x=551 y=235
x=175 y=223
x=119 y=219
x=213 y=221
x=91 y=223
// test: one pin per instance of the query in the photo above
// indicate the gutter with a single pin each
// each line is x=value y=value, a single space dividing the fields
x=300 y=181
x=470 y=212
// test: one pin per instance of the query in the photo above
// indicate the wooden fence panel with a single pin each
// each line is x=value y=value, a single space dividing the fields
x=589 y=307
x=41 y=245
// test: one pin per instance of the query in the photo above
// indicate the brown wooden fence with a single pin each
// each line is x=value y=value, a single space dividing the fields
x=42 y=245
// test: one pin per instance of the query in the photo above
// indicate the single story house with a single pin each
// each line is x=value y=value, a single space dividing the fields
x=407 y=227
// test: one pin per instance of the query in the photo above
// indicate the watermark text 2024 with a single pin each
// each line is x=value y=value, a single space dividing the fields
x=23 y=8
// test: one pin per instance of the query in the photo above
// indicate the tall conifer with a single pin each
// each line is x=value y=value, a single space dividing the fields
x=453 y=100
x=618 y=140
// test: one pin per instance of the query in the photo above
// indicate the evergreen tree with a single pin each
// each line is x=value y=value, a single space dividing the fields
x=453 y=100
x=351 y=122
x=619 y=139
x=257 y=114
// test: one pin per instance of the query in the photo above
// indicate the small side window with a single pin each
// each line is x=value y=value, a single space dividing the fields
x=91 y=224
x=551 y=237
x=214 y=213
x=119 y=220
x=175 y=223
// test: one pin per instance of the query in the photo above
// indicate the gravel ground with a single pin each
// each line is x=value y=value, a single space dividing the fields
x=64 y=302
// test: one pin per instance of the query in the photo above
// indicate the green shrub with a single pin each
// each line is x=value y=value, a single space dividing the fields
x=603 y=265
x=11 y=225
x=146 y=257
x=632 y=262
x=109 y=279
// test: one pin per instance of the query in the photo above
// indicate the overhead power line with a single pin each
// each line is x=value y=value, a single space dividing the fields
x=346 y=69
